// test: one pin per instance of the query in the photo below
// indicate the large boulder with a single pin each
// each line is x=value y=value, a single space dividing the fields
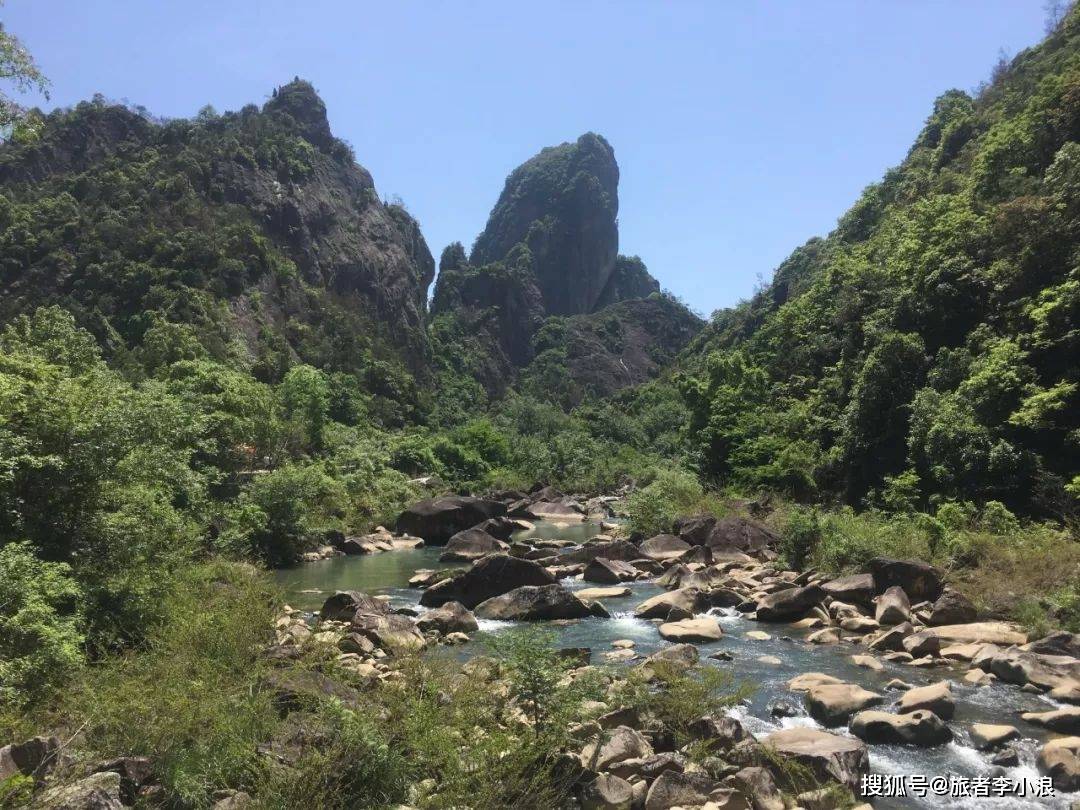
x=720 y=731
x=664 y=547
x=690 y=600
x=1058 y=643
x=1060 y=760
x=986 y=736
x=1019 y=667
x=704 y=630
x=618 y=745
x=695 y=529
x=920 y=581
x=33 y=757
x=677 y=657
x=500 y=528
x=892 y=607
x=391 y=632
x=828 y=756
x=471 y=544
x=857 y=589
x=936 y=697
x=534 y=603
x=608 y=572
x=343 y=605
x=557 y=511
x=436 y=520
x=452 y=617
x=1063 y=721
x=833 y=704
x=922 y=728
x=490 y=576
x=952 y=607
x=741 y=534
x=790 y=603
x=609 y=550
x=99 y=791
x=607 y=792
x=674 y=789
x=931 y=639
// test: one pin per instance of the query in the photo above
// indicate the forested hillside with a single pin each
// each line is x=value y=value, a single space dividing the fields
x=929 y=347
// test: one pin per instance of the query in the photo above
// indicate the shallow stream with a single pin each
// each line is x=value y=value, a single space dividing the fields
x=388 y=573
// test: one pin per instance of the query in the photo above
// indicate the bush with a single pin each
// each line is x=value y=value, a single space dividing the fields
x=800 y=536
x=653 y=509
x=41 y=626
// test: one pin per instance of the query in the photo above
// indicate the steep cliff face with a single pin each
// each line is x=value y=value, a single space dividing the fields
x=550 y=250
x=563 y=204
x=254 y=229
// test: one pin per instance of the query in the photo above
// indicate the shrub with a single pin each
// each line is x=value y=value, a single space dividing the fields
x=40 y=625
x=653 y=509
x=800 y=536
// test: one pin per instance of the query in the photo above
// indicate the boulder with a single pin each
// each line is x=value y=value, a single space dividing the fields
x=892 y=607
x=697 y=554
x=674 y=789
x=607 y=792
x=791 y=603
x=658 y=607
x=1063 y=721
x=920 y=580
x=99 y=791
x=673 y=577
x=828 y=635
x=500 y=528
x=892 y=640
x=1060 y=760
x=741 y=534
x=367 y=544
x=34 y=757
x=986 y=736
x=664 y=547
x=857 y=589
x=471 y=544
x=1045 y=671
x=937 y=698
x=490 y=576
x=608 y=572
x=720 y=731
x=609 y=550
x=1058 y=643
x=952 y=607
x=808 y=680
x=704 y=630
x=343 y=605
x=922 y=728
x=677 y=657
x=586 y=594
x=391 y=632
x=695 y=529
x=930 y=640
x=436 y=520
x=832 y=704
x=620 y=744
x=758 y=783
x=452 y=617
x=828 y=756
x=557 y=511
x=534 y=603
x=859 y=624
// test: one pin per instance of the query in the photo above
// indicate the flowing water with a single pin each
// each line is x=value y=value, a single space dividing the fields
x=388 y=573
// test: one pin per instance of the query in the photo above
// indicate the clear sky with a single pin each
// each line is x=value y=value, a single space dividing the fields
x=741 y=128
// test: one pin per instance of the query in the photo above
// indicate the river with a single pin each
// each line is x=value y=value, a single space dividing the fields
x=307 y=586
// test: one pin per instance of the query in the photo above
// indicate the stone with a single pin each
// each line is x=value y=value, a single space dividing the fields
x=758 y=783
x=658 y=607
x=534 y=603
x=556 y=511
x=1067 y=692
x=391 y=633
x=986 y=736
x=99 y=791
x=620 y=744
x=489 y=576
x=607 y=792
x=623 y=644
x=610 y=550
x=452 y=617
x=609 y=572
x=859 y=624
x=960 y=652
x=677 y=656
x=919 y=580
x=976 y=677
x=471 y=544
x=830 y=757
x=897 y=685
x=1045 y=671
x=585 y=594
x=721 y=731
x=739 y=534
x=808 y=680
x=33 y=757
x=937 y=698
x=705 y=629
x=694 y=529
x=892 y=607
x=809 y=623
x=674 y=789
x=867 y=662
x=1060 y=760
x=1057 y=643
x=664 y=547
x=827 y=636
x=892 y=640
x=758 y=635
x=952 y=607
x=436 y=520
x=232 y=800
x=343 y=605
x=1063 y=721
x=857 y=589
x=930 y=640
x=832 y=704
x=791 y=603
x=921 y=728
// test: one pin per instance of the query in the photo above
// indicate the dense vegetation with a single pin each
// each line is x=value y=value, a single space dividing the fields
x=926 y=351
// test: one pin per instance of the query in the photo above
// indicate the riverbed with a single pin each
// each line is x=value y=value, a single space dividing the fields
x=307 y=586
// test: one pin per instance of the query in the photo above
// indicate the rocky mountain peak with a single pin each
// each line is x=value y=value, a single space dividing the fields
x=299 y=100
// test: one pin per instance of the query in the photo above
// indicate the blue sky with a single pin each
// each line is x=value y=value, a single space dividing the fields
x=741 y=128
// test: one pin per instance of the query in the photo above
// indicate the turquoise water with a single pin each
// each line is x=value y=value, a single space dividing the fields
x=388 y=573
